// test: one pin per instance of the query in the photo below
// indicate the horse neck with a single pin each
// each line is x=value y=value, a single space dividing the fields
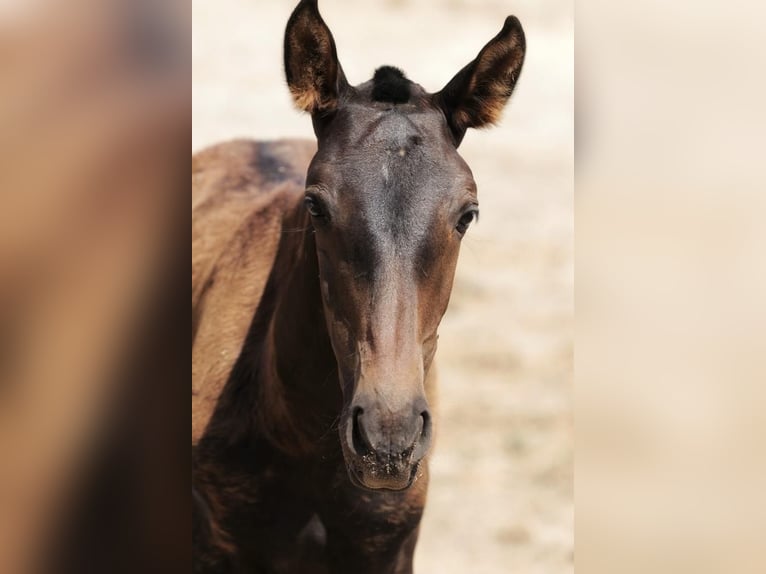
x=302 y=392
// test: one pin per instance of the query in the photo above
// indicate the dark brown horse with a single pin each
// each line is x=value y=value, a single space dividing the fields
x=320 y=275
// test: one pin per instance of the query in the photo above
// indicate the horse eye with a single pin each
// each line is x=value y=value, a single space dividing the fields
x=313 y=206
x=465 y=220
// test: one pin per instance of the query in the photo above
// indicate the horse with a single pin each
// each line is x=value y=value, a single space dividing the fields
x=320 y=274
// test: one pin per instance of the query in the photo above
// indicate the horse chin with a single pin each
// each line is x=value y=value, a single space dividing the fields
x=373 y=478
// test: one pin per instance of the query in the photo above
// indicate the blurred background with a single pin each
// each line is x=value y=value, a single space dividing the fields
x=501 y=489
x=671 y=277
x=94 y=136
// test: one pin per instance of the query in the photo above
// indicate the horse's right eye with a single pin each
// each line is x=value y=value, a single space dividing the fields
x=313 y=206
x=465 y=220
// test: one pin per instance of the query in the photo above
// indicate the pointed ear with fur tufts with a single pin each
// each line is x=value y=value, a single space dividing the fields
x=313 y=72
x=476 y=96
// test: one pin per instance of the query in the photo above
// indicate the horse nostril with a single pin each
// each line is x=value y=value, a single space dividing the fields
x=425 y=433
x=423 y=441
x=359 y=441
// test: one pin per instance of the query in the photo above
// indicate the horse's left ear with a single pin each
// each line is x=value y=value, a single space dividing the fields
x=313 y=72
x=476 y=96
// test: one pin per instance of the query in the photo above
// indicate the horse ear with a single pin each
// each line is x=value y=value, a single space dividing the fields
x=476 y=96
x=313 y=72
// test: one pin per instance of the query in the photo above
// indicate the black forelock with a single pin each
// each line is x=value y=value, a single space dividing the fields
x=389 y=84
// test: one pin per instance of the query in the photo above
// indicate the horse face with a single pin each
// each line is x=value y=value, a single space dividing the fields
x=390 y=199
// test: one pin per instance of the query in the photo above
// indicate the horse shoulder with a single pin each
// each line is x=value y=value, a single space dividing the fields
x=237 y=216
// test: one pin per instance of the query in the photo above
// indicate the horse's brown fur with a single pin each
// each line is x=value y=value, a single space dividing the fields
x=241 y=218
x=240 y=192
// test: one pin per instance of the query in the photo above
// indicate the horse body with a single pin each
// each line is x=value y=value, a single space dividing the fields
x=268 y=470
x=241 y=192
x=320 y=274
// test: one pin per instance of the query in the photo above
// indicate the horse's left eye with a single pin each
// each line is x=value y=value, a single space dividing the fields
x=465 y=221
x=313 y=206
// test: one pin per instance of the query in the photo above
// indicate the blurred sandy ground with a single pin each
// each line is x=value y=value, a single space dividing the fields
x=501 y=492
x=671 y=288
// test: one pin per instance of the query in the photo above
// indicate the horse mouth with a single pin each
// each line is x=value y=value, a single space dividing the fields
x=382 y=477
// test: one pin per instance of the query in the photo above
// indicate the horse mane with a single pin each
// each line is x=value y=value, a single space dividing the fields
x=389 y=84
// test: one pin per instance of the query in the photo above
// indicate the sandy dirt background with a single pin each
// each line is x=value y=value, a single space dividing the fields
x=501 y=496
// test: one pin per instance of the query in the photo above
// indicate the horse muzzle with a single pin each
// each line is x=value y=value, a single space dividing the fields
x=383 y=450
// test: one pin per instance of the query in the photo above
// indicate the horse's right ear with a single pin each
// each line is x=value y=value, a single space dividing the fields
x=313 y=72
